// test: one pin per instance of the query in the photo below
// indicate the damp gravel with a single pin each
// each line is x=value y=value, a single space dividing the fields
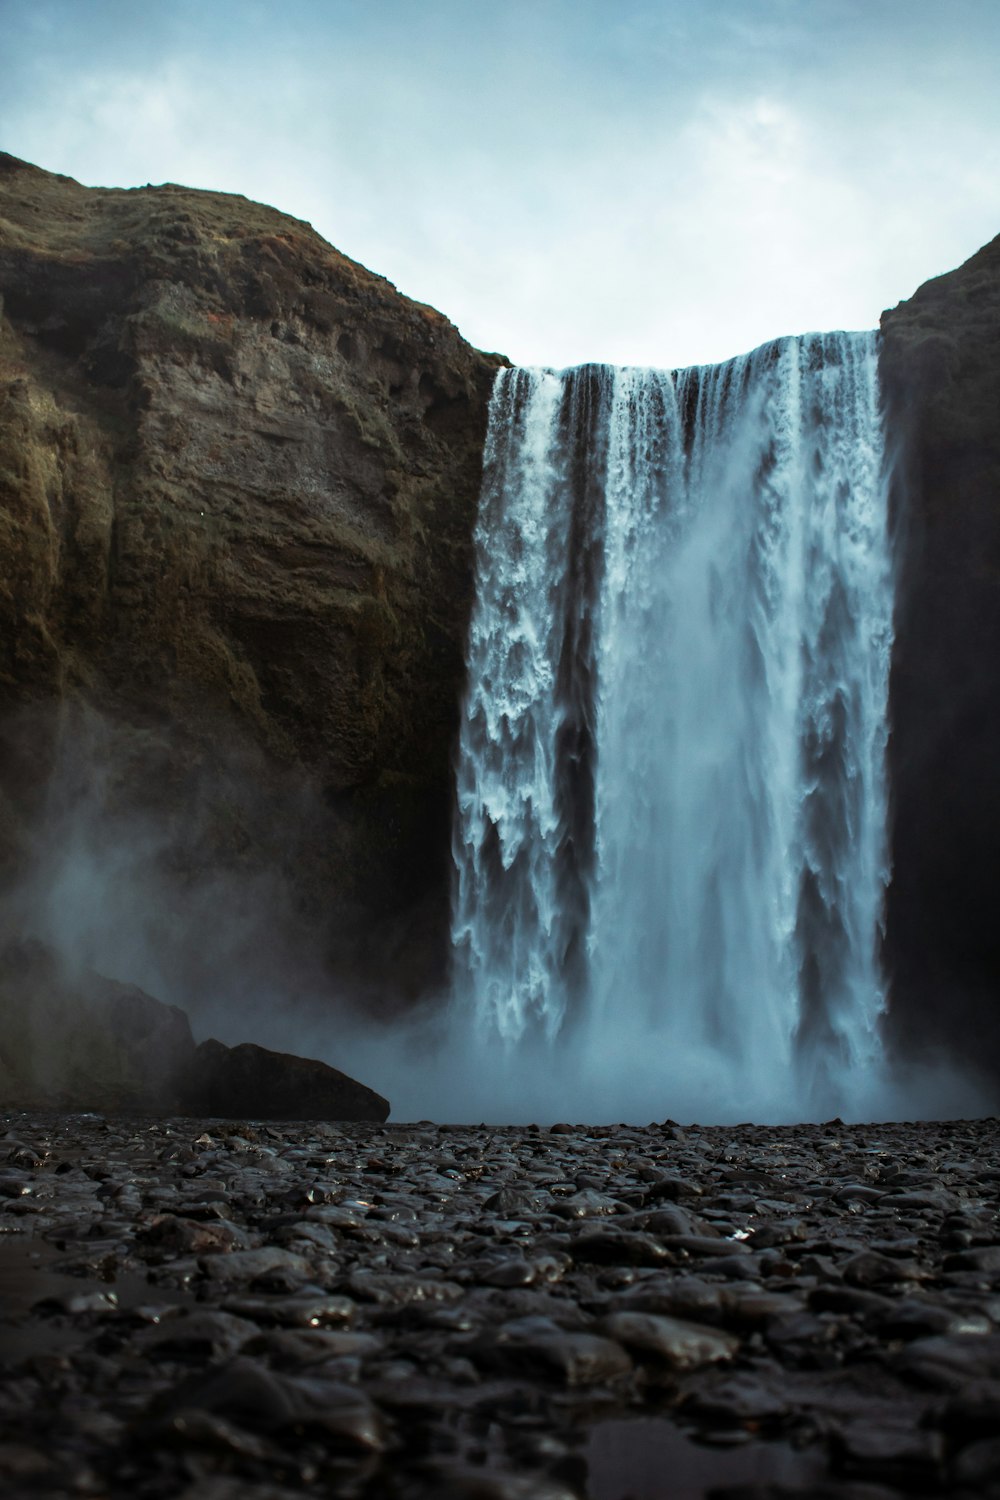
x=236 y=1311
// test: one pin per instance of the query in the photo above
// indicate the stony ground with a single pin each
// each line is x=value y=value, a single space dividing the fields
x=227 y=1311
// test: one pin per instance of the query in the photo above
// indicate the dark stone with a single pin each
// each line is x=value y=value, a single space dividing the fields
x=251 y=1082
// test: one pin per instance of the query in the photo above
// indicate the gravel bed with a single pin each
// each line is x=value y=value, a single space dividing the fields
x=235 y=1311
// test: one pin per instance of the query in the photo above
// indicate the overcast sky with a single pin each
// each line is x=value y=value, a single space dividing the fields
x=658 y=182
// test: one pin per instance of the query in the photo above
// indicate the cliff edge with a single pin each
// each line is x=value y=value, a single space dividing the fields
x=238 y=480
x=940 y=367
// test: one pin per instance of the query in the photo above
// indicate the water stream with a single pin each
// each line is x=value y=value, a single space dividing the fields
x=670 y=845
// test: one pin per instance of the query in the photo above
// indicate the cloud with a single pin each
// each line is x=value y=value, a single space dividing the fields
x=666 y=184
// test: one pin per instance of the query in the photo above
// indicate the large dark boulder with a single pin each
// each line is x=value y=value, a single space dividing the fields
x=251 y=1082
x=940 y=367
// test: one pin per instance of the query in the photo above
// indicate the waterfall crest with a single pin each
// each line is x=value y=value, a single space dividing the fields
x=669 y=844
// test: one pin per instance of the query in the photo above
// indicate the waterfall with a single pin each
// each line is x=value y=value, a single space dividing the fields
x=669 y=844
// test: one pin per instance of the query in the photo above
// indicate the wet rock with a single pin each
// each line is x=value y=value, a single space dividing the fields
x=305 y=1310
x=947 y=1363
x=202 y=1333
x=243 y=1266
x=251 y=1082
x=679 y=1345
x=618 y=1248
x=169 y=1235
x=538 y=1343
x=462 y=1482
x=247 y=1393
x=489 y=1341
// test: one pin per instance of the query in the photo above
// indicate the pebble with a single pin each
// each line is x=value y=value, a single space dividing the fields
x=240 y=1311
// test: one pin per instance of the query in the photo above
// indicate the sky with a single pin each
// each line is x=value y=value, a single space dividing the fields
x=646 y=183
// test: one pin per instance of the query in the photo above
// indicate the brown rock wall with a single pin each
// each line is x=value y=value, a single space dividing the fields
x=238 y=477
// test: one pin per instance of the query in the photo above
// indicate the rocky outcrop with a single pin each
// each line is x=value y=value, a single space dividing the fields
x=72 y=1039
x=238 y=477
x=251 y=1082
x=941 y=374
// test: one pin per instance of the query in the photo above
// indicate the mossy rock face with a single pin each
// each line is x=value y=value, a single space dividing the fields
x=238 y=481
x=940 y=367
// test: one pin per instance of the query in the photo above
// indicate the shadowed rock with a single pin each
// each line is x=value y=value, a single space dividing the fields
x=72 y=1039
x=252 y=1082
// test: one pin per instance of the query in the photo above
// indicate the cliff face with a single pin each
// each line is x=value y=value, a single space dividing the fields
x=941 y=374
x=238 y=478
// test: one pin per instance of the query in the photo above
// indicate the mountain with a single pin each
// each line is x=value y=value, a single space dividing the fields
x=238 y=480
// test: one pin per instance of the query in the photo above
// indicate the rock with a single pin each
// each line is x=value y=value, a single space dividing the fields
x=947 y=1362
x=251 y=1082
x=618 y=1248
x=206 y=1334
x=538 y=1343
x=679 y=1345
x=238 y=483
x=941 y=378
x=241 y=1267
x=801 y=1383
x=246 y=1392
x=72 y=1037
x=169 y=1235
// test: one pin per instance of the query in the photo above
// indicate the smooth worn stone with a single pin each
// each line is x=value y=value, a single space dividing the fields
x=308 y=1309
x=868 y=1268
x=740 y=1399
x=612 y=1247
x=249 y=1394
x=701 y=1245
x=978 y=1465
x=984 y=1258
x=947 y=1363
x=586 y=1205
x=972 y=1412
x=244 y=1266
x=853 y=1301
x=170 y=1234
x=684 y=1297
x=391 y=1290
x=682 y=1346
x=670 y=1187
x=751 y=1309
x=888 y=1450
x=537 y=1342
x=910 y=1319
x=195 y=1331
x=512 y=1202
x=293 y=1348
x=462 y=1482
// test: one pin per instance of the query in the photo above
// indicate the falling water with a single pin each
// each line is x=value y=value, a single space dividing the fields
x=670 y=837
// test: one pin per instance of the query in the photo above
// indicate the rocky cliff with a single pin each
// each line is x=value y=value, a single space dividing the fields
x=941 y=375
x=238 y=477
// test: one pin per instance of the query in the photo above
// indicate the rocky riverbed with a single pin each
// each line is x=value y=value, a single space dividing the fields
x=239 y=1311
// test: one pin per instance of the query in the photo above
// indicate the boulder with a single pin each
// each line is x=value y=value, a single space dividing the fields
x=251 y=1082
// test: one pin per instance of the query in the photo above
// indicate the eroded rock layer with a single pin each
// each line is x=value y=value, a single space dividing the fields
x=238 y=477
